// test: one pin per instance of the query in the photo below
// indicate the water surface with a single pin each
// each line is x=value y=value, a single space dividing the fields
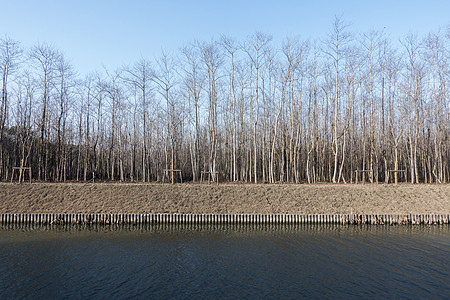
x=325 y=261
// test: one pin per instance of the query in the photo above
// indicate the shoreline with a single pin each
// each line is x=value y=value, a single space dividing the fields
x=220 y=219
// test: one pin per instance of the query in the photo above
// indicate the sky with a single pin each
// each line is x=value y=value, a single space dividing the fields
x=109 y=34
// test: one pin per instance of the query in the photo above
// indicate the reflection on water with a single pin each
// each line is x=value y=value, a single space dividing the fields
x=224 y=261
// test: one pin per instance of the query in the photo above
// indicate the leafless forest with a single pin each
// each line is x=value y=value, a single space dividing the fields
x=349 y=106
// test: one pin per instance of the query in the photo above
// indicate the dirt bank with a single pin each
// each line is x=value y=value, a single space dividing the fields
x=245 y=199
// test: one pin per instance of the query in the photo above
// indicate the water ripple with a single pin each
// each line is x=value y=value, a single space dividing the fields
x=225 y=262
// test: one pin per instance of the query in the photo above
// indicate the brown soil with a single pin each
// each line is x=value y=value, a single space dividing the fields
x=245 y=199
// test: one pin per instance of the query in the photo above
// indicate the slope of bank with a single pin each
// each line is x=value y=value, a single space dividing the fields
x=224 y=199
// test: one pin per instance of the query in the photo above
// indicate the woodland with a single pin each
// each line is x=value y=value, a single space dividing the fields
x=348 y=107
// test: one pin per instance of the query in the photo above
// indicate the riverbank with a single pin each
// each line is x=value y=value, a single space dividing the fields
x=40 y=198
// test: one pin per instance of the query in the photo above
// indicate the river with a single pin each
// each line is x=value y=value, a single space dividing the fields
x=245 y=261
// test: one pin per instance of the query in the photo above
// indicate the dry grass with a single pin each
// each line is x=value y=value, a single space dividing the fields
x=228 y=198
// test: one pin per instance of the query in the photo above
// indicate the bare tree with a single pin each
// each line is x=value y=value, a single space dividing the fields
x=65 y=77
x=46 y=59
x=413 y=97
x=140 y=76
x=194 y=78
x=212 y=59
x=267 y=113
x=10 y=53
x=254 y=50
x=336 y=48
x=164 y=77
x=231 y=49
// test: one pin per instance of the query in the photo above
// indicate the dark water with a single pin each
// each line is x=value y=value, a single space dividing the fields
x=225 y=262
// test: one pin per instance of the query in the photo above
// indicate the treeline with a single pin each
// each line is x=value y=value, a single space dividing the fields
x=348 y=107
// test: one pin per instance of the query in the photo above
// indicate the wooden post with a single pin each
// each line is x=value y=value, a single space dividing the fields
x=171 y=167
x=21 y=171
x=395 y=173
x=12 y=175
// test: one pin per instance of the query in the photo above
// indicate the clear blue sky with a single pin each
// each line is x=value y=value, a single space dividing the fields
x=93 y=34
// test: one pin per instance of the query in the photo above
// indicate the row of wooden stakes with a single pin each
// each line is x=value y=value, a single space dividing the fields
x=106 y=219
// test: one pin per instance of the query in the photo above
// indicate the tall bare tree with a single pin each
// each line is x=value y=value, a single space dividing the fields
x=140 y=76
x=193 y=79
x=164 y=78
x=255 y=51
x=337 y=49
x=10 y=53
x=212 y=59
x=45 y=58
